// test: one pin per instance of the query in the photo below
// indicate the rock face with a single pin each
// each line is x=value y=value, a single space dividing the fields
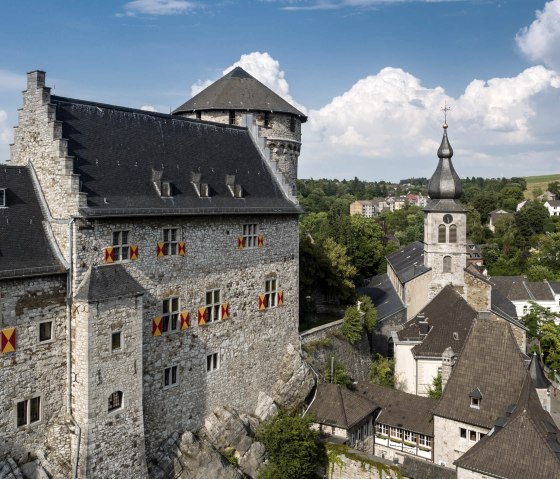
x=295 y=380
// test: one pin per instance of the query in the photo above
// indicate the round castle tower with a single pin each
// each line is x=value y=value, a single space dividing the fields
x=445 y=225
x=240 y=99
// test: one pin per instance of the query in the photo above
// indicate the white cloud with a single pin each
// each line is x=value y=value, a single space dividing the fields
x=10 y=81
x=148 y=108
x=158 y=7
x=265 y=69
x=540 y=42
x=339 y=4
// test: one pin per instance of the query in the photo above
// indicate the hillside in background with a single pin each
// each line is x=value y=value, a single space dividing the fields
x=538 y=184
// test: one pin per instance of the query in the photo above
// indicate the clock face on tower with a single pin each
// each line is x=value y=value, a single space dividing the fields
x=447 y=219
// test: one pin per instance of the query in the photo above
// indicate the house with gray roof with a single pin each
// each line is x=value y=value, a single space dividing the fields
x=522 y=293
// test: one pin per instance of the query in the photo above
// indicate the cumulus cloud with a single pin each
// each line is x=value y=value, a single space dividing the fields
x=148 y=108
x=540 y=41
x=265 y=69
x=10 y=81
x=158 y=7
x=356 y=4
x=6 y=133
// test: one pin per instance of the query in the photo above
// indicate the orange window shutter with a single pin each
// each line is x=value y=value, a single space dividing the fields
x=185 y=320
x=133 y=252
x=109 y=256
x=260 y=241
x=182 y=248
x=241 y=242
x=8 y=340
x=280 y=298
x=160 y=249
x=262 y=302
x=201 y=316
x=156 y=327
x=225 y=311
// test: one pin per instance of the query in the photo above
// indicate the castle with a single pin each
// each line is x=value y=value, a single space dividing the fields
x=148 y=270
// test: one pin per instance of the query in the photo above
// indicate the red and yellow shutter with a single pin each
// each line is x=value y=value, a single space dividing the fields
x=156 y=327
x=280 y=298
x=109 y=255
x=201 y=316
x=160 y=249
x=8 y=340
x=262 y=302
x=241 y=242
x=133 y=250
x=260 y=241
x=181 y=248
x=185 y=320
x=225 y=311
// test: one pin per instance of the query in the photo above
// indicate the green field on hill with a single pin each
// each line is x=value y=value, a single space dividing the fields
x=539 y=183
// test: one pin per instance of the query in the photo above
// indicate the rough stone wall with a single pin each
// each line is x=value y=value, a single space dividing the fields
x=35 y=368
x=112 y=441
x=321 y=332
x=478 y=292
x=448 y=444
x=361 y=467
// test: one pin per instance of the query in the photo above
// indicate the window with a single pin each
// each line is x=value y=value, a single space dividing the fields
x=292 y=124
x=425 y=441
x=250 y=235
x=463 y=432
x=232 y=117
x=45 y=331
x=199 y=115
x=447 y=264
x=475 y=403
x=116 y=341
x=213 y=305
x=170 y=241
x=441 y=233
x=472 y=436
x=382 y=429
x=270 y=293
x=453 y=234
x=212 y=362
x=115 y=401
x=28 y=411
x=170 y=376
x=409 y=436
x=266 y=119
x=396 y=432
x=120 y=245
x=3 y=202
x=525 y=309
x=170 y=315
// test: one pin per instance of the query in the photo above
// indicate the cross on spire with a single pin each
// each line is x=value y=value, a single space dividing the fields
x=445 y=109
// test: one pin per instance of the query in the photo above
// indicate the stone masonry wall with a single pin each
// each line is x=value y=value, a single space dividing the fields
x=478 y=292
x=448 y=444
x=35 y=368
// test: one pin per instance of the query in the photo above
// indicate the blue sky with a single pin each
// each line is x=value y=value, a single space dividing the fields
x=372 y=75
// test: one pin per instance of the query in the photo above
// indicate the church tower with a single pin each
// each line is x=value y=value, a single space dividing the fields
x=445 y=225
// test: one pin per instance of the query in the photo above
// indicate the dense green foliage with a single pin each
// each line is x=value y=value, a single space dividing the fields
x=336 y=373
x=382 y=371
x=436 y=389
x=542 y=326
x=292 y=448
x=352 y=327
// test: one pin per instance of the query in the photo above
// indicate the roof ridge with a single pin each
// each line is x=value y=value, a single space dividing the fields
x=343 y=405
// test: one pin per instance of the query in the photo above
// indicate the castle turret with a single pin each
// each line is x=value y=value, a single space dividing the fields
x=240 y=99
x=445 y=225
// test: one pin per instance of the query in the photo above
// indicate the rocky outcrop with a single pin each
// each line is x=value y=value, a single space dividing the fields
x=295 y=380
x=266 y=407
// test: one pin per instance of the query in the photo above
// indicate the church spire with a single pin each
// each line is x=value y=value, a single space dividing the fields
x=445 y=182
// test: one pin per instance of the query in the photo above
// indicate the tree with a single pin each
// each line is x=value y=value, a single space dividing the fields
x=339 y=373
x=436 y=389
x=365 y=246
x=531 y=219
x=554 y=188
x=538 y=272
x=352 y=326
x=382 y=371
x=293 y=449
x=369 y=318
x=485 y=202
x=340 y=271
x=510 y=196
x=550 y=344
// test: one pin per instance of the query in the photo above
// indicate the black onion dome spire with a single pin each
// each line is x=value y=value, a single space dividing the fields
x=445 y=182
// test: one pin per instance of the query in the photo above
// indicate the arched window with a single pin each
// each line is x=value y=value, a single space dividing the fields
x=447 y=264
x=441 y=234
x=115 y=401
x=453 y=234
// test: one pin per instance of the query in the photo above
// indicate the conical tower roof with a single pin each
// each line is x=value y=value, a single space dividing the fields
x=445 y=183
x=238 y=90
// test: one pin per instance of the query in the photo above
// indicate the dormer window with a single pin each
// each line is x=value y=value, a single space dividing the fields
x=235 y=189
x=166 y=189
x=232 y=117
x=202 y=189
x=3 y=202
x=476 y=398
x=475 y=403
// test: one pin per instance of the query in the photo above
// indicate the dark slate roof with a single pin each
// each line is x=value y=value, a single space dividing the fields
x=238 y=90
x=107 y=282
x=523 y=444
x=336 y=405
x=449 y=318
x=25 y=248
x=555 y=285
x=120 y=151
x=518 y=288
x=408 y=262
x=490 y=361
x=504 y=308
x=400 y=409
x=421 y=469
x=445 y=205
x=383 y=295
x=445 y=182
x=540 y=381
x=554 y=202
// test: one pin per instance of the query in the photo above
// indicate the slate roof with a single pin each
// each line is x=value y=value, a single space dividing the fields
x=107 y=282
x=408 y=262
x=238 y=90
x=518 y=288
x=337 y=405
x=120 y=151
x=490 y=361
x=383 y=295
x=524 y=444
x=445 y=182
x=555 y=286
x=25 y=248
x=449 y=318
x=540 y=381
x=445 y=205
x=421 y=469
x=400 y=409
x=504 y=308
x=555 y=203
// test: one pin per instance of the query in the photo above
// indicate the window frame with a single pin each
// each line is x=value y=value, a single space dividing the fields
x=213 y=362
x=170 y=376
x=121 y=250
x=213 y=307
x=169 y=315
x=3 y=198
x=475 y=403
x=51 y=338
x=27 y=405
x=112 y=409
x=170 y=241
x=447 y=264
x=271 y=293
x=452 y=233
x=250 y=234
x=120 y=336
x=442 y=233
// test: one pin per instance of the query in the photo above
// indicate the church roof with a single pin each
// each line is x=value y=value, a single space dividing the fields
x=444 y=322
x=490 y=361
x=121 y=153
x=445 y=182
x=238 y=90
x=383 y=295
x=408 y=262
x=337 y=405
x=524 y=443
x=540 y=381
x=107 y=282
x=25 y=247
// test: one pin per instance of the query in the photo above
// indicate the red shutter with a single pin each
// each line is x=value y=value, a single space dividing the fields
x=156 y=327
x=133 y=250
x=181 y=248
x=262 y=302
x=241 y=242
x=8 y=340
x=225 y=311
x=201 y=316
x=260 y=240
x=109 y=255
x=280 y=298
x=185 y=320
x=160 y=249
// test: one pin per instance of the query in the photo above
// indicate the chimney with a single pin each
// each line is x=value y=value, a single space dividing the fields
x=35 y=80
x=448 y=359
